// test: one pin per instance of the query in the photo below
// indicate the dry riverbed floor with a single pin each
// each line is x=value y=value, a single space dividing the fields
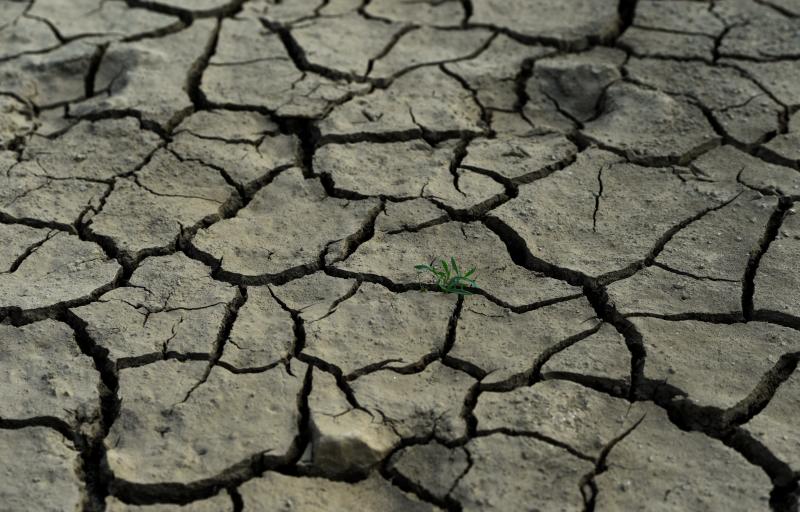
x=211 y=210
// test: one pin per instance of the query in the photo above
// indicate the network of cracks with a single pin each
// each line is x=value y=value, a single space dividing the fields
x=211 y=210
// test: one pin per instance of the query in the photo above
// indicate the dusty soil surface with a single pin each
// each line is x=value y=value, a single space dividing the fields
x=211 y=210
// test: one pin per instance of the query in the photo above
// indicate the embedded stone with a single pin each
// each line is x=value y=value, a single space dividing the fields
x=345 y=440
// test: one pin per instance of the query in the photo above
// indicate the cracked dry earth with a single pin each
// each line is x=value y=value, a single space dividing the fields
x=210 y=213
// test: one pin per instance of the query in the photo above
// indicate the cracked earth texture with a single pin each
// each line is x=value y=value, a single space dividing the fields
x=210 y=213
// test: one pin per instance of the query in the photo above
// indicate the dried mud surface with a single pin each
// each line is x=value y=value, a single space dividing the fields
x=210 y=213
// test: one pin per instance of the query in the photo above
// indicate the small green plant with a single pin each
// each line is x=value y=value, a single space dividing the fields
x=449 y=278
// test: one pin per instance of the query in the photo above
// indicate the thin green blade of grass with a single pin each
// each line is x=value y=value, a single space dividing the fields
x=449 y=278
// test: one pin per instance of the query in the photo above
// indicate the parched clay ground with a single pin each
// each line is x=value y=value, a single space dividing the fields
x=210 y=213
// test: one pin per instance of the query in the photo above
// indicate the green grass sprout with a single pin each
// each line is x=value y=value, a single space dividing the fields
x=449 y=278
